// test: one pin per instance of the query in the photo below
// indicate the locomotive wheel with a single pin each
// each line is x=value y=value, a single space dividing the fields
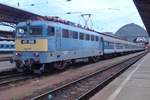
x=60 y=65
x=38 y=68
x=20 y=67
x=25 y=69
x=49 y=68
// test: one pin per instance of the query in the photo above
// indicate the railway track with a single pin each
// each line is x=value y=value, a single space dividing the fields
x=87 y=86
x=13 y=78
x=8 y=72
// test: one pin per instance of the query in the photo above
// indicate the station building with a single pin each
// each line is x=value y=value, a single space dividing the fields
x=133 y=33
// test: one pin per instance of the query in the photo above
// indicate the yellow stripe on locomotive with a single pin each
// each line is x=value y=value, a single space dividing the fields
x=31 y=45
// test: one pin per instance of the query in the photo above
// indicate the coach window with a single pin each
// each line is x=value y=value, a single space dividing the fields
x=87 y=37
x=81 y=36
x=7 y=46
x=92 y=37
x=12 y=46
x=75 y=35
x=71 y=34
x=2 y=46
x=51 y=31
x=65 y=33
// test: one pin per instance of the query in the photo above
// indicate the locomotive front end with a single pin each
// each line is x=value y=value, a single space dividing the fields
x=30 y=51
x=31 y=46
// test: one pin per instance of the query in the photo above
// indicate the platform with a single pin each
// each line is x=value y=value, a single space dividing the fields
x=133 y=84
x=6 y=65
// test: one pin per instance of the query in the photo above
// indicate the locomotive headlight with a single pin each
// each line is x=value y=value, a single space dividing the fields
x=36 y=54
x=18 y=54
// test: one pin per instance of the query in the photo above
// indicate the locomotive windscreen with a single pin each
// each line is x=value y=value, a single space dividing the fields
x=36 y=30
x=32 y=30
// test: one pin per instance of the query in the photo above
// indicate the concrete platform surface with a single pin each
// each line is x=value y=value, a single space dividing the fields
x=6 y=65
x=133 y=84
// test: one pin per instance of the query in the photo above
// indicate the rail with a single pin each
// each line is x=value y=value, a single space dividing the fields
x=86 y=87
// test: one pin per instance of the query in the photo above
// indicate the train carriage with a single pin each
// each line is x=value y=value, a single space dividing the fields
x=7 y=46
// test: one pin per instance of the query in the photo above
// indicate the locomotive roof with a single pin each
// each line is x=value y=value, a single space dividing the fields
x=69 y=24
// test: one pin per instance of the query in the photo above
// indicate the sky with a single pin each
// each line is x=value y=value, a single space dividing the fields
x=106 y=15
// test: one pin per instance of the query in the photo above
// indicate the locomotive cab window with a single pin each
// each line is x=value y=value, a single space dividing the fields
x=51 y=31
x=36 y=30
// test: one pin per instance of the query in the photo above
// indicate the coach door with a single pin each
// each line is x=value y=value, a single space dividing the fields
x=58 y=38
x=101 y=45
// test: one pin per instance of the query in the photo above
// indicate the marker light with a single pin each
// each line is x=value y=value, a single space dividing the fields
x=18 y=54
x=36 y=54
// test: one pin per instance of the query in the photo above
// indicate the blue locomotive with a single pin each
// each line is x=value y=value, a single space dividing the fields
x=43 y=44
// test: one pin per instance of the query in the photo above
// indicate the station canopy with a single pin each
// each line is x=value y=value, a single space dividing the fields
x=143 y=7
x=14 y=15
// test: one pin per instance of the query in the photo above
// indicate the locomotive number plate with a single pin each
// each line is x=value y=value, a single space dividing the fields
x=28 y=41
x=31 y=45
